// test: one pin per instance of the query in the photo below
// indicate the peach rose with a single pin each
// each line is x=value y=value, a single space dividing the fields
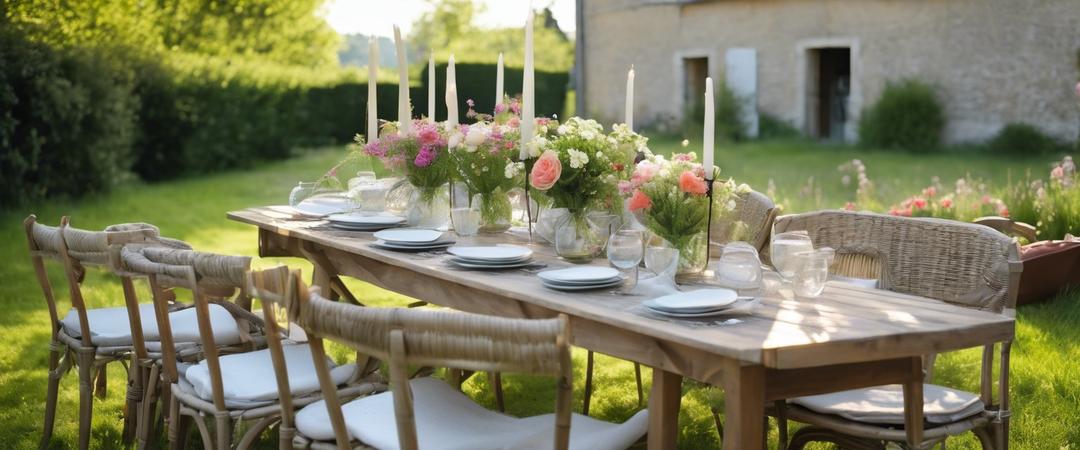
x=639 y=201
x=691 y=184
x=546 y=171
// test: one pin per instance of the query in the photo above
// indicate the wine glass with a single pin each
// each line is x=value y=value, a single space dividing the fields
x=783 y=249
x=625 y=250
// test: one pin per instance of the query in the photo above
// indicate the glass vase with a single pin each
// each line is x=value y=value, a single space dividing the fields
x=496 y=211
x=547 y=221
x=576 y=239
x=693 y=254
x=429 y=207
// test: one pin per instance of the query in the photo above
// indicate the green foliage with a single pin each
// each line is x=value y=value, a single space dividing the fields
x=477 y=82
x=908 y=116
x=66 y=124
x=730 y=126
x=1052 y=205
x=772 y=127
x=1022 y=139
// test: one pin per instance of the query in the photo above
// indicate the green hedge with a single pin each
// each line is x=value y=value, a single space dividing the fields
x=476 y=81
x=908 y=116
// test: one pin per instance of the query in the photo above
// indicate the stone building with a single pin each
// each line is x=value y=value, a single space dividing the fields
x=817 y=63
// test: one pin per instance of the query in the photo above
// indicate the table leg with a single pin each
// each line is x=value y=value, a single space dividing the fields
x=744 y=407
x=913 y=404
x=664 y=410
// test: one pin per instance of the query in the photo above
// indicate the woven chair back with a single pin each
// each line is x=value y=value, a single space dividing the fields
x=439 y=338
x=275 y=288
x=960 y=263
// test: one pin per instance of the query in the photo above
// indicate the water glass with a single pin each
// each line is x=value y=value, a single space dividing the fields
x=811 y=272
x=466 y=221
x=784 y=248
x=739 y=266
x=301 y=192
x=662 y=260
x=625 y=249
x=604 y=226
x=363 y=177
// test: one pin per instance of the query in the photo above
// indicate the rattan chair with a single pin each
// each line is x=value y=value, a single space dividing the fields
x=87 y=338
x=959 y=263
x=426 y=412
x=276 y=288
x=752 y=221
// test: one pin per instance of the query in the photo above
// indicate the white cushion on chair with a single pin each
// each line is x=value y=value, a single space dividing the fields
x=248 y=378
x=447 y=419
x=109 y=327
x=885 y=404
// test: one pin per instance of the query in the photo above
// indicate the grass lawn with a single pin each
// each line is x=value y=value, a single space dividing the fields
x=1045 y=383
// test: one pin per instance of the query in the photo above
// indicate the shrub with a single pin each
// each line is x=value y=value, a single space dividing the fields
x=907 y=116
x=1022 y=139
x=730 y=126
x=772 y=127
x=66 y=121
x=476 y=81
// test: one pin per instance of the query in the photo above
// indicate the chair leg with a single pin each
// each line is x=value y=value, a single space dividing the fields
x=253 y=433
x=781 y=423
x=133 y=404
x=640 y=389
x=176 y=436
x=223 y=430
x=588 y=384
x=719 y=424
x=147 y=419
x=86 y=396
x=496 y=384
x=55 y=373
x=102 y=385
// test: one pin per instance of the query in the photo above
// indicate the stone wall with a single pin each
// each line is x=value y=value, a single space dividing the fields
x=992 y=61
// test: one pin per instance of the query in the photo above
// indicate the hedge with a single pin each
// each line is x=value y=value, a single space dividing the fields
x=477 y=82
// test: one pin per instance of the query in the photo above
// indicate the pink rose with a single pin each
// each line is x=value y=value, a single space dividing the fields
x=639 y=201
x=946 y=203
x=625 y=187
x=1057 y=173
x=691 y=184
x=918 y=203
x=546 y=171
x=643 y=173
x=428 y=135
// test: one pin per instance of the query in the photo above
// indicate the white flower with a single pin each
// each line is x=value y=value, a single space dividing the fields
x=731 y=205
x=470 y=148
x=578 y=158
x=537 y=146
x=562 y=129
x=476 y=137
x=513 y=169
x=455 y=139
x=588 y=135
x=685 y=142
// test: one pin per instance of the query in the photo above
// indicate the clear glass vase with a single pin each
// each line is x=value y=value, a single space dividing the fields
x=428 y=207
x=577 y=240
x=496 y=211
x=693 y=254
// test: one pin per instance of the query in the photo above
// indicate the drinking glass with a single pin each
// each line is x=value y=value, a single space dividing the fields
x=625 y=250
x=739 y=266
x=362 y=177
x=783 y=249
x=662 y=260
x=466 y=221
x=301 y=192
x=604 y=225
x=812 y=270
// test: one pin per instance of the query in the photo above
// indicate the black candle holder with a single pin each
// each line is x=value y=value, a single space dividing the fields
x=528 y=204
x=708 y=222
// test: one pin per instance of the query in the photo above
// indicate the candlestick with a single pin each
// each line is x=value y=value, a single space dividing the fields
x=431 y=87
x=528 y=115
x=710 y=133
x=372 y=90
x=499 y=91
x=404 y=110
x=451 y=95
x=630 y=99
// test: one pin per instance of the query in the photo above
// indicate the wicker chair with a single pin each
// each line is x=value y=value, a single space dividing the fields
x=276 y=288
x=428 y=412
x=87 y=338
x=754 y=214
x=958 y=263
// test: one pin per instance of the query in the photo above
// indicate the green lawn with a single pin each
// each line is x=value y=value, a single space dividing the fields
x=1046 y=378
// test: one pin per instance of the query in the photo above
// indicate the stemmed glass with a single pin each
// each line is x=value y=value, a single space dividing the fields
x=625 y=249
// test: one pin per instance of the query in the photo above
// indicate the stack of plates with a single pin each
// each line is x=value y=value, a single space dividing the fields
x=411 y=240
x=701 y=303
x=322 y=205
x=364 y=222
x=496 y=257
x=581 y=278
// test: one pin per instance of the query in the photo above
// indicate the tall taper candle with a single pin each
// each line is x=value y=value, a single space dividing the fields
x=630 y=98
x=499 y=91
x=404 y=110
x=528 y=112
x=710 y=134
x=372 y=91
x=451 y=95
x=431 y=88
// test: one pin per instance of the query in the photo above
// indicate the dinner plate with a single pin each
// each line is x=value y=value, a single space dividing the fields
x=407 y=248
x=687 y=315
x=581 y=274
x=489 y=266
x=584 y=283
x=322 y=205
x=582 y=287
x=359 y=219
x=700 y=301
x=490 y=261
x=409 y=235
x=363 y=228
x=491 y=253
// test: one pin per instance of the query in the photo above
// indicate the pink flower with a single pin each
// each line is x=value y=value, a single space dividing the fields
x=930 y=191
x=639 y=201
x=986 y=199
x=691 y=184
x=625 y=187
x=428 y=136
x=546 y=171
x=849 y=206
x=1058 y=173
x=500 y=108
x=1004 y=211
x=918 y=203
x=425 y=157
x=470 y=102
x=685 y=157
x=644 y=172
x=946 y=203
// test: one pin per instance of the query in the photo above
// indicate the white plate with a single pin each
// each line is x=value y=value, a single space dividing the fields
x=689 y=315
x=357 y=219
x=322 y=205
x=365 y=229
x=579 y=274
x=582 y=287
x=490 y=261
x=391 y=246
x=491 y=253
x=699 y=301
x=409 y=235
x=471 y=265
x=583 y=283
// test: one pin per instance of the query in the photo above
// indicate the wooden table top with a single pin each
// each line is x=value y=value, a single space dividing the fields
x=845 y=324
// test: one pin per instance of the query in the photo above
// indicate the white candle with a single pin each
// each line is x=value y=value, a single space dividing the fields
x=527 y=108
x=404 y=111
x=372 y=91
x=710 y=123
x=431 y=87
x=499 y=91
x=630 y=98
x=451 y=95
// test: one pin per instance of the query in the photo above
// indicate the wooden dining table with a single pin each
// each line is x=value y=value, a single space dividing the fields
x=784 y=347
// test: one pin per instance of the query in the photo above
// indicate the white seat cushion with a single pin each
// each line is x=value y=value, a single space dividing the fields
x=885 y=404
x=248 y=378
x=447 y=419
x=109 y=327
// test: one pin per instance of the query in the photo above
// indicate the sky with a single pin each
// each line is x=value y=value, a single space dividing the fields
x=378 y=17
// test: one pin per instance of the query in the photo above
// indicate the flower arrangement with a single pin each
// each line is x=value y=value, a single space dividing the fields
x=670 y=198
x=419 y=155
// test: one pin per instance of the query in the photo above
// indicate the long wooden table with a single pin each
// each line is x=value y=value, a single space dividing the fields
x=850 y=337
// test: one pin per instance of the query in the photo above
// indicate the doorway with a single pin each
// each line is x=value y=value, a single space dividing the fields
x=828 y=92
x=695 y=70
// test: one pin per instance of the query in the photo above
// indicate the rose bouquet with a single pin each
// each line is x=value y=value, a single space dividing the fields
x=421 y=156
x=670 y=198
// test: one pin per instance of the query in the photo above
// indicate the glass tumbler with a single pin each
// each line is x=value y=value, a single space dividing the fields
x=810 y=273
